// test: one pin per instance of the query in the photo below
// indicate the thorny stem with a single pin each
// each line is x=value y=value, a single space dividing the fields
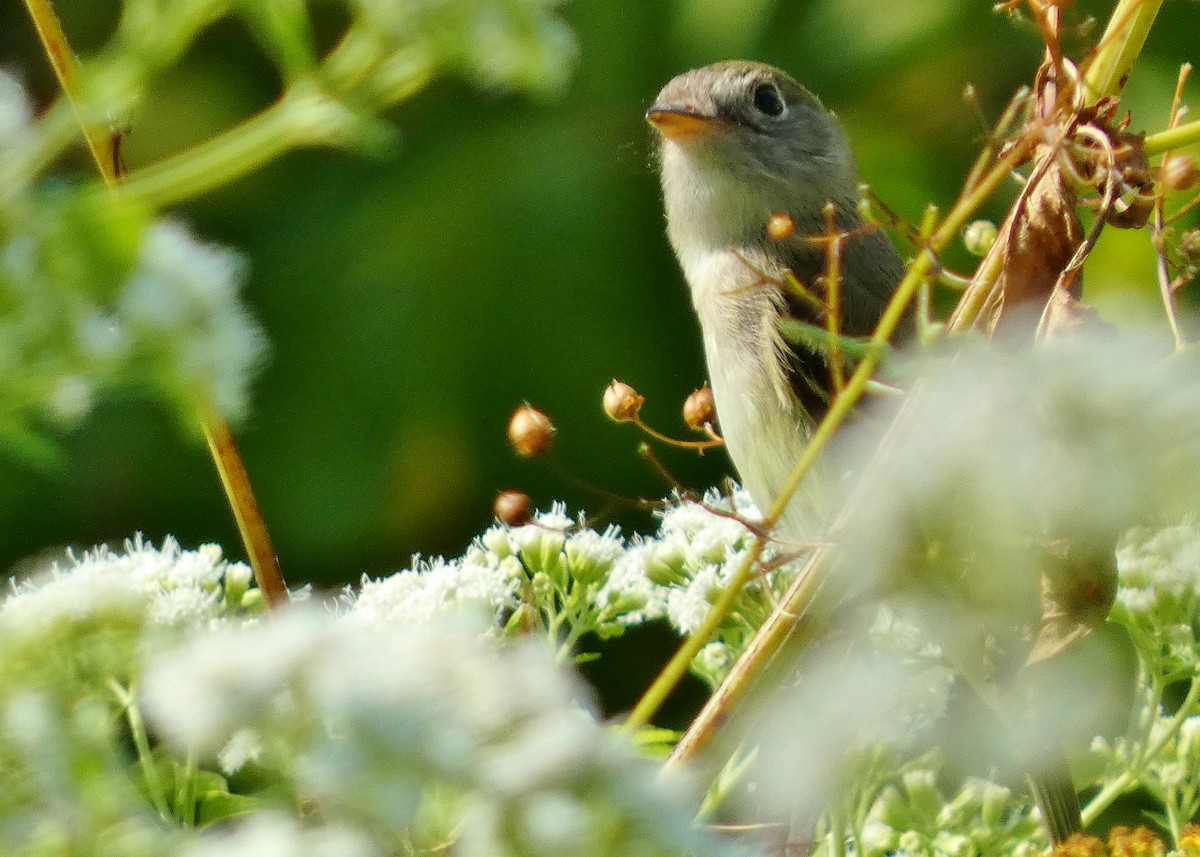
x=220 y=440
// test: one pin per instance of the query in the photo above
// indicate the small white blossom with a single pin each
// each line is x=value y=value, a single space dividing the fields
x=243 y=748
x=434 y=588
x=627 y=583
x=686 y=608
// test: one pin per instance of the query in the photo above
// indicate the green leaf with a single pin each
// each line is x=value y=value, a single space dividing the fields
x=819 y=340
x=215 y=806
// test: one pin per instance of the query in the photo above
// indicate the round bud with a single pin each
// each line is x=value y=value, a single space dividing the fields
x=1179 y=172
x=513 y=508
x=979 y=237
x=780 y=227
x=699 y=408
x=530 y=431
x=621 y=402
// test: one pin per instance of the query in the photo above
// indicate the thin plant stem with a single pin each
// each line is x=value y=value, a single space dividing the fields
x=66 y=68
x=837 y=832
x=246 y=511
x=228 y=462
x=1156 y=225
x=833 y=297
x=185 y=795
x=127 y=698
x=699 y=445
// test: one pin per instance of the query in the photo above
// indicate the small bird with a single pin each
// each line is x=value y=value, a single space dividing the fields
x=742 y=142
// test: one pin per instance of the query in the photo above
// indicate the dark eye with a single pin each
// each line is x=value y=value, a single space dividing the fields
x=768 y=100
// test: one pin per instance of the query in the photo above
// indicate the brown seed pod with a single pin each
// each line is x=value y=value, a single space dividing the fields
x=513 y=508
x=780 y=227
x=621 y=402
x=530 y=431
x=1179 y=172
x=699 y=409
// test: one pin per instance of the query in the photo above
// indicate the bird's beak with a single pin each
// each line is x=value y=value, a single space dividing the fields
x=675 y=123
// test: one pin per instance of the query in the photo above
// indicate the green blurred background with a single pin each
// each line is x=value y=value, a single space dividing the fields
x=503 y=250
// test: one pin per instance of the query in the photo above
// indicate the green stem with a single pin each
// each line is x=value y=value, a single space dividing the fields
x=1133 y=774
x=837 y=832
x=185 y=796
x=1173 y=138
x=127 y=697
x=1119 y=47
x=304 y=115
x=1172 y=806
x=677 y=667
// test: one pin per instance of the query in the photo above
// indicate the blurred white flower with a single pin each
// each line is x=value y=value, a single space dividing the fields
x=377 y=717
x=16 y=111
x=181 y=306
x=267 y=834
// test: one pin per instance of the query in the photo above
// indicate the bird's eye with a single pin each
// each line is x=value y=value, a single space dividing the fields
x=768 y=100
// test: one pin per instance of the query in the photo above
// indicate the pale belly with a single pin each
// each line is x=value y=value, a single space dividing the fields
x=764 y=427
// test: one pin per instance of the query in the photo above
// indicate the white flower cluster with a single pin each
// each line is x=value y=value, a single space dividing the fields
x=580 y=580
x=378 y=720
x=168 y=585
x=554 y=561
x=1156 y=566
x=679 y=572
